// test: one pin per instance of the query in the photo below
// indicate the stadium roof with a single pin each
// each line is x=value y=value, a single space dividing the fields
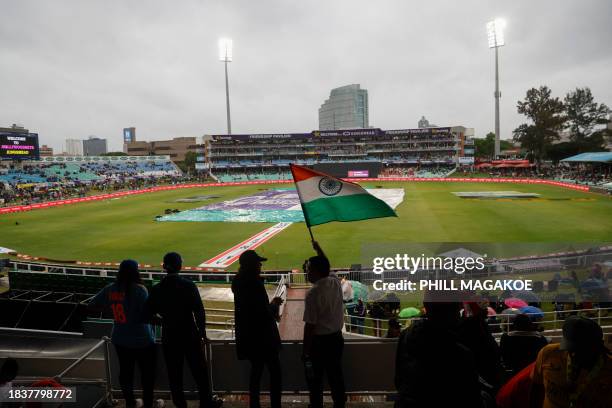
x=460 y=253
x=599 y=157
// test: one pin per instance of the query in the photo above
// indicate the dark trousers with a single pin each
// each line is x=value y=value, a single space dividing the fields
x=128 y=357
x=326 y=355
x=257 y=366
x=175 y=354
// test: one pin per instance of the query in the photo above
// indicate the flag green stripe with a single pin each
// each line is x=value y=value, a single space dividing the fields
x=346 y=208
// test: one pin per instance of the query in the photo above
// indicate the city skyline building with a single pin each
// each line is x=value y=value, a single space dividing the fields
x=346 y=108
x=94 y=146
x=129 y=135
x=74 y=147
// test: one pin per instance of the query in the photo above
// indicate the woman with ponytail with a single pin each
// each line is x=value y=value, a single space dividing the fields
x=132 y=335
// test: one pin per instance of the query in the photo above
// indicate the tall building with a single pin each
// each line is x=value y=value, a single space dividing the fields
x=74 y=147
x=129 y=135
x=94 y=146
x=346 y=108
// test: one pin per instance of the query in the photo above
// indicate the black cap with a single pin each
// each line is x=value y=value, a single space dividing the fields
x=250 y=257
x=580 y=333
x=128 y=265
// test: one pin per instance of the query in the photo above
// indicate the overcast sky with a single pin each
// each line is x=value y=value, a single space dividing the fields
x=74 y=68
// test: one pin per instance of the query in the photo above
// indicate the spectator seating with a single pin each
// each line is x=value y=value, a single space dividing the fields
x=87 y=171
x=57 y=282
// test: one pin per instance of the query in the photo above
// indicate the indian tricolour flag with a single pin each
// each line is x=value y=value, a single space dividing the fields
x=325 y=198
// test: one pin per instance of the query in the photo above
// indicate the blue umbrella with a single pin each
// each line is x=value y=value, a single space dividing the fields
x=527 y=295
x=592 y=284
x=533 y=312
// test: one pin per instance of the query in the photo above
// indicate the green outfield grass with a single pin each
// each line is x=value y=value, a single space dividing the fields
x=113 y=230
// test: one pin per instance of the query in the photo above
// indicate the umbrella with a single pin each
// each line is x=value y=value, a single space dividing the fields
x=591 y=284
x=360 y=291
x=491 y=312
x=375 y=296
x=527 y=295
x=510 y=311
x=515 y=303
x=533 y=312
x=409 y=312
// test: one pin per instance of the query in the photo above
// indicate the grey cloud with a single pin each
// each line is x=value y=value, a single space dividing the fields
x=71 y=68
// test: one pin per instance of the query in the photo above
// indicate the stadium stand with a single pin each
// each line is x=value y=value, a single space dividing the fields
x=61 y=177
x=87 y=169
x=252 y=157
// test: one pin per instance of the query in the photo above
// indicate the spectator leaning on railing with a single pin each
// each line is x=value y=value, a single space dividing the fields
x=178 y=302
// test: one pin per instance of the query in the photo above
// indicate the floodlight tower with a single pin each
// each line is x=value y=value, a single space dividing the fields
x=495 y=33
x=225 y=55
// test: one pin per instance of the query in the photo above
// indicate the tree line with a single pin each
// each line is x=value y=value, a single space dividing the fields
x=548 y=116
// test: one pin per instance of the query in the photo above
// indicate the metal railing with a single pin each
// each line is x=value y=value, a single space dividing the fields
x=379 y=327
x=108 y=387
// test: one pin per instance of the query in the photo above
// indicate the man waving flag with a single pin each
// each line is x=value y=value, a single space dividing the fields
x=325 y=198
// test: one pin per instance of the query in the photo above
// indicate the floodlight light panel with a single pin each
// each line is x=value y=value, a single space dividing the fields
x=500 y=24
x=225 y=49
x=495 y=33
x=491 y=34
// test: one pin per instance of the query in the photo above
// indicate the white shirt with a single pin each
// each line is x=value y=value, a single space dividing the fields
x=323 y=306
x=347 y=290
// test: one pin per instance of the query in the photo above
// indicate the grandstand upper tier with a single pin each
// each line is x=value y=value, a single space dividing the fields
x=351 y=152
x=87 y=169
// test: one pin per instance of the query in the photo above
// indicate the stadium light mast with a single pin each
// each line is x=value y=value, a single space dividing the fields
x=495 y=34
x=225 y=55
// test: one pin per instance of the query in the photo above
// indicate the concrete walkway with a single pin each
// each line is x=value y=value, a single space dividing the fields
x=291 y=324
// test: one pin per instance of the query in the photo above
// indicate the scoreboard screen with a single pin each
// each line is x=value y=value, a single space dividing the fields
x=15 y=146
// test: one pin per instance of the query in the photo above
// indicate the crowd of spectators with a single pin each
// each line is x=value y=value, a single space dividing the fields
x=428 y=170
x=579 y=174
x=448 y=360
x=32 y=183
x=66 y=172
x=36 y=193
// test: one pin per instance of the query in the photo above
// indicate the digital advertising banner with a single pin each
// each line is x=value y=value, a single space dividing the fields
x=16 y=146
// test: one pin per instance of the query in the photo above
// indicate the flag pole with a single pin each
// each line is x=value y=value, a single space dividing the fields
x=310 y=231
x=301 y=204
